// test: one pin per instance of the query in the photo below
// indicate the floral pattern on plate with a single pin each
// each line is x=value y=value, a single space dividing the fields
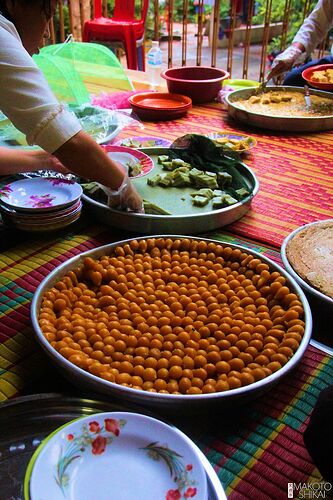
x=40 y=193
x=5 y=191
x=178 y=471
x=93 y=437
x=117 y=449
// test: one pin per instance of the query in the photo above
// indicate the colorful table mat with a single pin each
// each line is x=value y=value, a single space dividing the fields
x=295 y=172
x=256 y=449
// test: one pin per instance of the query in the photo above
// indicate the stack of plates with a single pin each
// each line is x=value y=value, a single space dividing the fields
x=134 y=457
x=41 y=204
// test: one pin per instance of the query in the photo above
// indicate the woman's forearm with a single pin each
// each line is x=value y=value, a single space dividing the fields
x=83 y=156
x=14 y=161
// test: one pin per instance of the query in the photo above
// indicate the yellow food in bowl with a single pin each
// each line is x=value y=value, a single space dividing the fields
x=284 y=103
x=325 y=76
x=174 y=316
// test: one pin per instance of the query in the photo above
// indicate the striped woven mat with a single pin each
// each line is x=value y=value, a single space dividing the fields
x=295 y=172
x=256 y=451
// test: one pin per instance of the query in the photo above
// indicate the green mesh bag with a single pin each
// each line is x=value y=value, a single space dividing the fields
x=65 y=82
x=96 y=65
x=67 y=67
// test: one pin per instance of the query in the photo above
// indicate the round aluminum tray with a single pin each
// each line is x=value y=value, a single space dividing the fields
x=324 y=300
x=176 y=224
x=283 y=123
x=30 y=419
x=167 y=402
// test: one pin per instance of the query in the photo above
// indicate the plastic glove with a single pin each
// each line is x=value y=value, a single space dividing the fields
x=125 y=197
x=286 y=60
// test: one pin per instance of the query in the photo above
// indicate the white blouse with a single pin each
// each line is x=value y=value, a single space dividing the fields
x=26 y=98
x=316 y=25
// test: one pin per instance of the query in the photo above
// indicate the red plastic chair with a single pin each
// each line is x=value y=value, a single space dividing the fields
x=122 y=27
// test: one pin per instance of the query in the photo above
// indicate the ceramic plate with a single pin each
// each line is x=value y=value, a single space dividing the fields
x=144 y=142
x=40 y=193
x=236 y=142
x=133 y=159
x=116 y=455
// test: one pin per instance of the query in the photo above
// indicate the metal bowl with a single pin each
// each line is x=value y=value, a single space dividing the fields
x=176 y=224
x=308 y=289
x=185 y=403
x=283 y=123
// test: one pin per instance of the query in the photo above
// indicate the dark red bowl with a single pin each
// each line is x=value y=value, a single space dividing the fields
x=307 y=75
x=200 y=83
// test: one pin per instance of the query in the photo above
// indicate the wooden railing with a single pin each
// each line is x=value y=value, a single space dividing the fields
x=247 y=44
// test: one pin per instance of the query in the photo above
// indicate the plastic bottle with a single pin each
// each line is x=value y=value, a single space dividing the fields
x=154 y=64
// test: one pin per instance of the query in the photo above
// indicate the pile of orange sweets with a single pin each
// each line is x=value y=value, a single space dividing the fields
x=174 y=316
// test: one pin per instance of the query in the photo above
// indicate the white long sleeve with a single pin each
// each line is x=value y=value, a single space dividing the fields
x=26 y=98
x=316 y=25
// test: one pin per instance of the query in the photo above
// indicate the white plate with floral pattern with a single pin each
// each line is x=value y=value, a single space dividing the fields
x=116 y=455
x=40 y=193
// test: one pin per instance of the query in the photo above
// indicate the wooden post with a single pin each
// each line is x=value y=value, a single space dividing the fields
x=79 y=12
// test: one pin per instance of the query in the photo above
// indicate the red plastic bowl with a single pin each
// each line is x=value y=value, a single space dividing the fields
x=156 y=106
x=200 y=83
x=307 y=75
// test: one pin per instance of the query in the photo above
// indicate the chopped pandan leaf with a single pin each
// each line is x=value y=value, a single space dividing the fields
x=218 y=192
x=134 y=170
x=208 y=193
x=242 y=193
x=151 y=208
x=162 y=158
x=168 y=165
x=166 y=180
x=90 y=187
x=201 y=179
x=224 y=179
x=203 y=154
x=200 y=201
x=218 y=202
x=180 y=163
x=181 y=179
x=154 y=181
x=229 y=200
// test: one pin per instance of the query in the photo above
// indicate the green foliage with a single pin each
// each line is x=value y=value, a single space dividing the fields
x=278 y=10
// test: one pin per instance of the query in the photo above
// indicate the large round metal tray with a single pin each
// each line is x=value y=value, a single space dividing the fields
x=28 y=420
x=283 y=123
x=167 y=402
x=176 y=224
x=325 y=300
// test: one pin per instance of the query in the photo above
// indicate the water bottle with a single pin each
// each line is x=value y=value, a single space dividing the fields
x=154 y=63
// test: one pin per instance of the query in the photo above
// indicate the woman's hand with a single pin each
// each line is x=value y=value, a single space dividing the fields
x=286 y=60
x=125 y=197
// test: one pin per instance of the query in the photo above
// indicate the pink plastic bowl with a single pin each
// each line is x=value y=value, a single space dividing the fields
x=200 y=83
